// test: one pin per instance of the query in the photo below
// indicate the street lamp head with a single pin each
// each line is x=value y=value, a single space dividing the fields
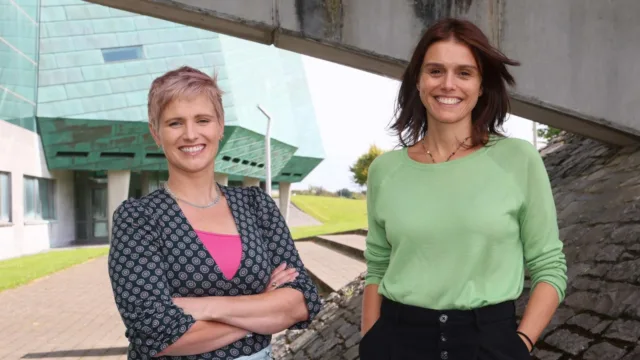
x=264 y=112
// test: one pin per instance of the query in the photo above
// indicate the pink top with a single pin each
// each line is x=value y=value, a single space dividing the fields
x=226 y=251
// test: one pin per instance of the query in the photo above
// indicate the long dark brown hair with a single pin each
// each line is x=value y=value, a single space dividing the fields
x=492 y=107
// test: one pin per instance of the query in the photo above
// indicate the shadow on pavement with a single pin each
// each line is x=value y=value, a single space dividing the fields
x=77 y=352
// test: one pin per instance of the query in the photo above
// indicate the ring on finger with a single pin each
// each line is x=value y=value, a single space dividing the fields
x=274 y=284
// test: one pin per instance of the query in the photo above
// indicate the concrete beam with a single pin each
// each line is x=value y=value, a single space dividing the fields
x=573 y=122
x=579 y=70
x=579 y=67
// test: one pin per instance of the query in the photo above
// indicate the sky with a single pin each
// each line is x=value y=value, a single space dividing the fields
x=353 y=109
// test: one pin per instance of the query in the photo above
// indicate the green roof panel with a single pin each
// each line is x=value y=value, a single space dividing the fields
x=88 y=144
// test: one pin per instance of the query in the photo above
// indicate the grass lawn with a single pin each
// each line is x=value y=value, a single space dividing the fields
x=19 y=271
x=336 y=215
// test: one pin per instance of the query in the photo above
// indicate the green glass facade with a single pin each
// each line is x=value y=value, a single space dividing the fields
x=77 y=75
x=19 y=40
x=96 y=67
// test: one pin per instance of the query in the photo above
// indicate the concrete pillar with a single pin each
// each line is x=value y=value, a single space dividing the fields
x=144 y=183
x=117 y=191
x=64 y=230
x=285 y=199
x=222 y=179
x=249 y=181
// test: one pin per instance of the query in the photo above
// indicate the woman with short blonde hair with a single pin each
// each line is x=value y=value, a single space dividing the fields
x=197 y=268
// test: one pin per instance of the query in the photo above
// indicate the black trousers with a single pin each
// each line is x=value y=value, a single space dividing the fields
x=407 y=332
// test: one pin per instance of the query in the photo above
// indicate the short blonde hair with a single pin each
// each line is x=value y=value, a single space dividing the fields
x=184 y=82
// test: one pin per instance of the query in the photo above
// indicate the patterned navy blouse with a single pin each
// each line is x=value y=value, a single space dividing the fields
x=155 y=255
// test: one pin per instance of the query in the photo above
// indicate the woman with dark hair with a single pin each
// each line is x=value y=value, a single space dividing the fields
x=457 y=215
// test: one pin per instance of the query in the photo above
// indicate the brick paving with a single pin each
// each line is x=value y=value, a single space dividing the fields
x=68 y=315
x=333 y=268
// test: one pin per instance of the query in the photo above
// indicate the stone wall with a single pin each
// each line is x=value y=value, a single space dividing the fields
x=334 y=334
x=597 y=192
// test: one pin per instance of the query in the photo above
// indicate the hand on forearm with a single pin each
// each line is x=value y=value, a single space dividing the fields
x=268 y=313
x=204 y=336
x=542 y=304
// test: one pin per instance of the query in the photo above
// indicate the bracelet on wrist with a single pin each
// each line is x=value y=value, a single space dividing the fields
x=526 y=338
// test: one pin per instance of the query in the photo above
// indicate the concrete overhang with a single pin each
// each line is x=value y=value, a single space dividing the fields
x=579 y=58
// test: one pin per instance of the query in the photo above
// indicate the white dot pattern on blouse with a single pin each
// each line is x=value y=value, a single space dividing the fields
x=155 y=255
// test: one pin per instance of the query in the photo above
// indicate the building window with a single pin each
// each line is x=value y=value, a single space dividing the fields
x=5 y=197
x=122 y=53
x=39 y=199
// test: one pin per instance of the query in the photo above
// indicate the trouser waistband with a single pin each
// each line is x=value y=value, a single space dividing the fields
x=393 y=311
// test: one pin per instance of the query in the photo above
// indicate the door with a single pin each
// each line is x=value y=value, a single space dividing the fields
x=98 y=221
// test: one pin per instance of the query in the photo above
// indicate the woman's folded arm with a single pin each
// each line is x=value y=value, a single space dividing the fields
x=154 y=324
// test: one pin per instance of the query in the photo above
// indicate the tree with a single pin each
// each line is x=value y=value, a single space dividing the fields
x=548 y=132
x=360 y=169
x=345 y=193
x=320 y=191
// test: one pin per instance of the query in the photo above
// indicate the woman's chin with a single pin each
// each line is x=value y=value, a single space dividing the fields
x=449 y=119
x=193 y=166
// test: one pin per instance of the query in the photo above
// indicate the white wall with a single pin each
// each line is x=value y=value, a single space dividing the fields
x=21 y=154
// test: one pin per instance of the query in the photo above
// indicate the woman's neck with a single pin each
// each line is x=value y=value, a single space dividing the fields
x=196 y=188
x=444 y=139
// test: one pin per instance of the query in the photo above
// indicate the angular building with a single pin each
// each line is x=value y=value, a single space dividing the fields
x=74 y=141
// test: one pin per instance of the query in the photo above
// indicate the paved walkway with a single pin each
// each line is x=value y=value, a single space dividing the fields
x=71 y=315
x=357 y=242
x=68 y=315
x=298 y=217
x=333 y=268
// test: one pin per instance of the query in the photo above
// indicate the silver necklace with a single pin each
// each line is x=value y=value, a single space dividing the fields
x=215 y=201
x=450 y=156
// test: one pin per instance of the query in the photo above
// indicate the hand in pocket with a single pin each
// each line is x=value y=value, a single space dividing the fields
x=526 y=342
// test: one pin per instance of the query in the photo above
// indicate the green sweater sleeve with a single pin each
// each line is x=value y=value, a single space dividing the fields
x=378 y=249
x=539 y=227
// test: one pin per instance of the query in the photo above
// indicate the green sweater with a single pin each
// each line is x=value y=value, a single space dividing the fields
x=459 y=234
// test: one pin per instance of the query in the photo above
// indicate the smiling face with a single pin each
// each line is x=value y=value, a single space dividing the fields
x=189 y=133
x=450 y=82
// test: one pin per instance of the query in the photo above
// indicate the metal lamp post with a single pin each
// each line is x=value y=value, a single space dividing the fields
x=267 y=149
